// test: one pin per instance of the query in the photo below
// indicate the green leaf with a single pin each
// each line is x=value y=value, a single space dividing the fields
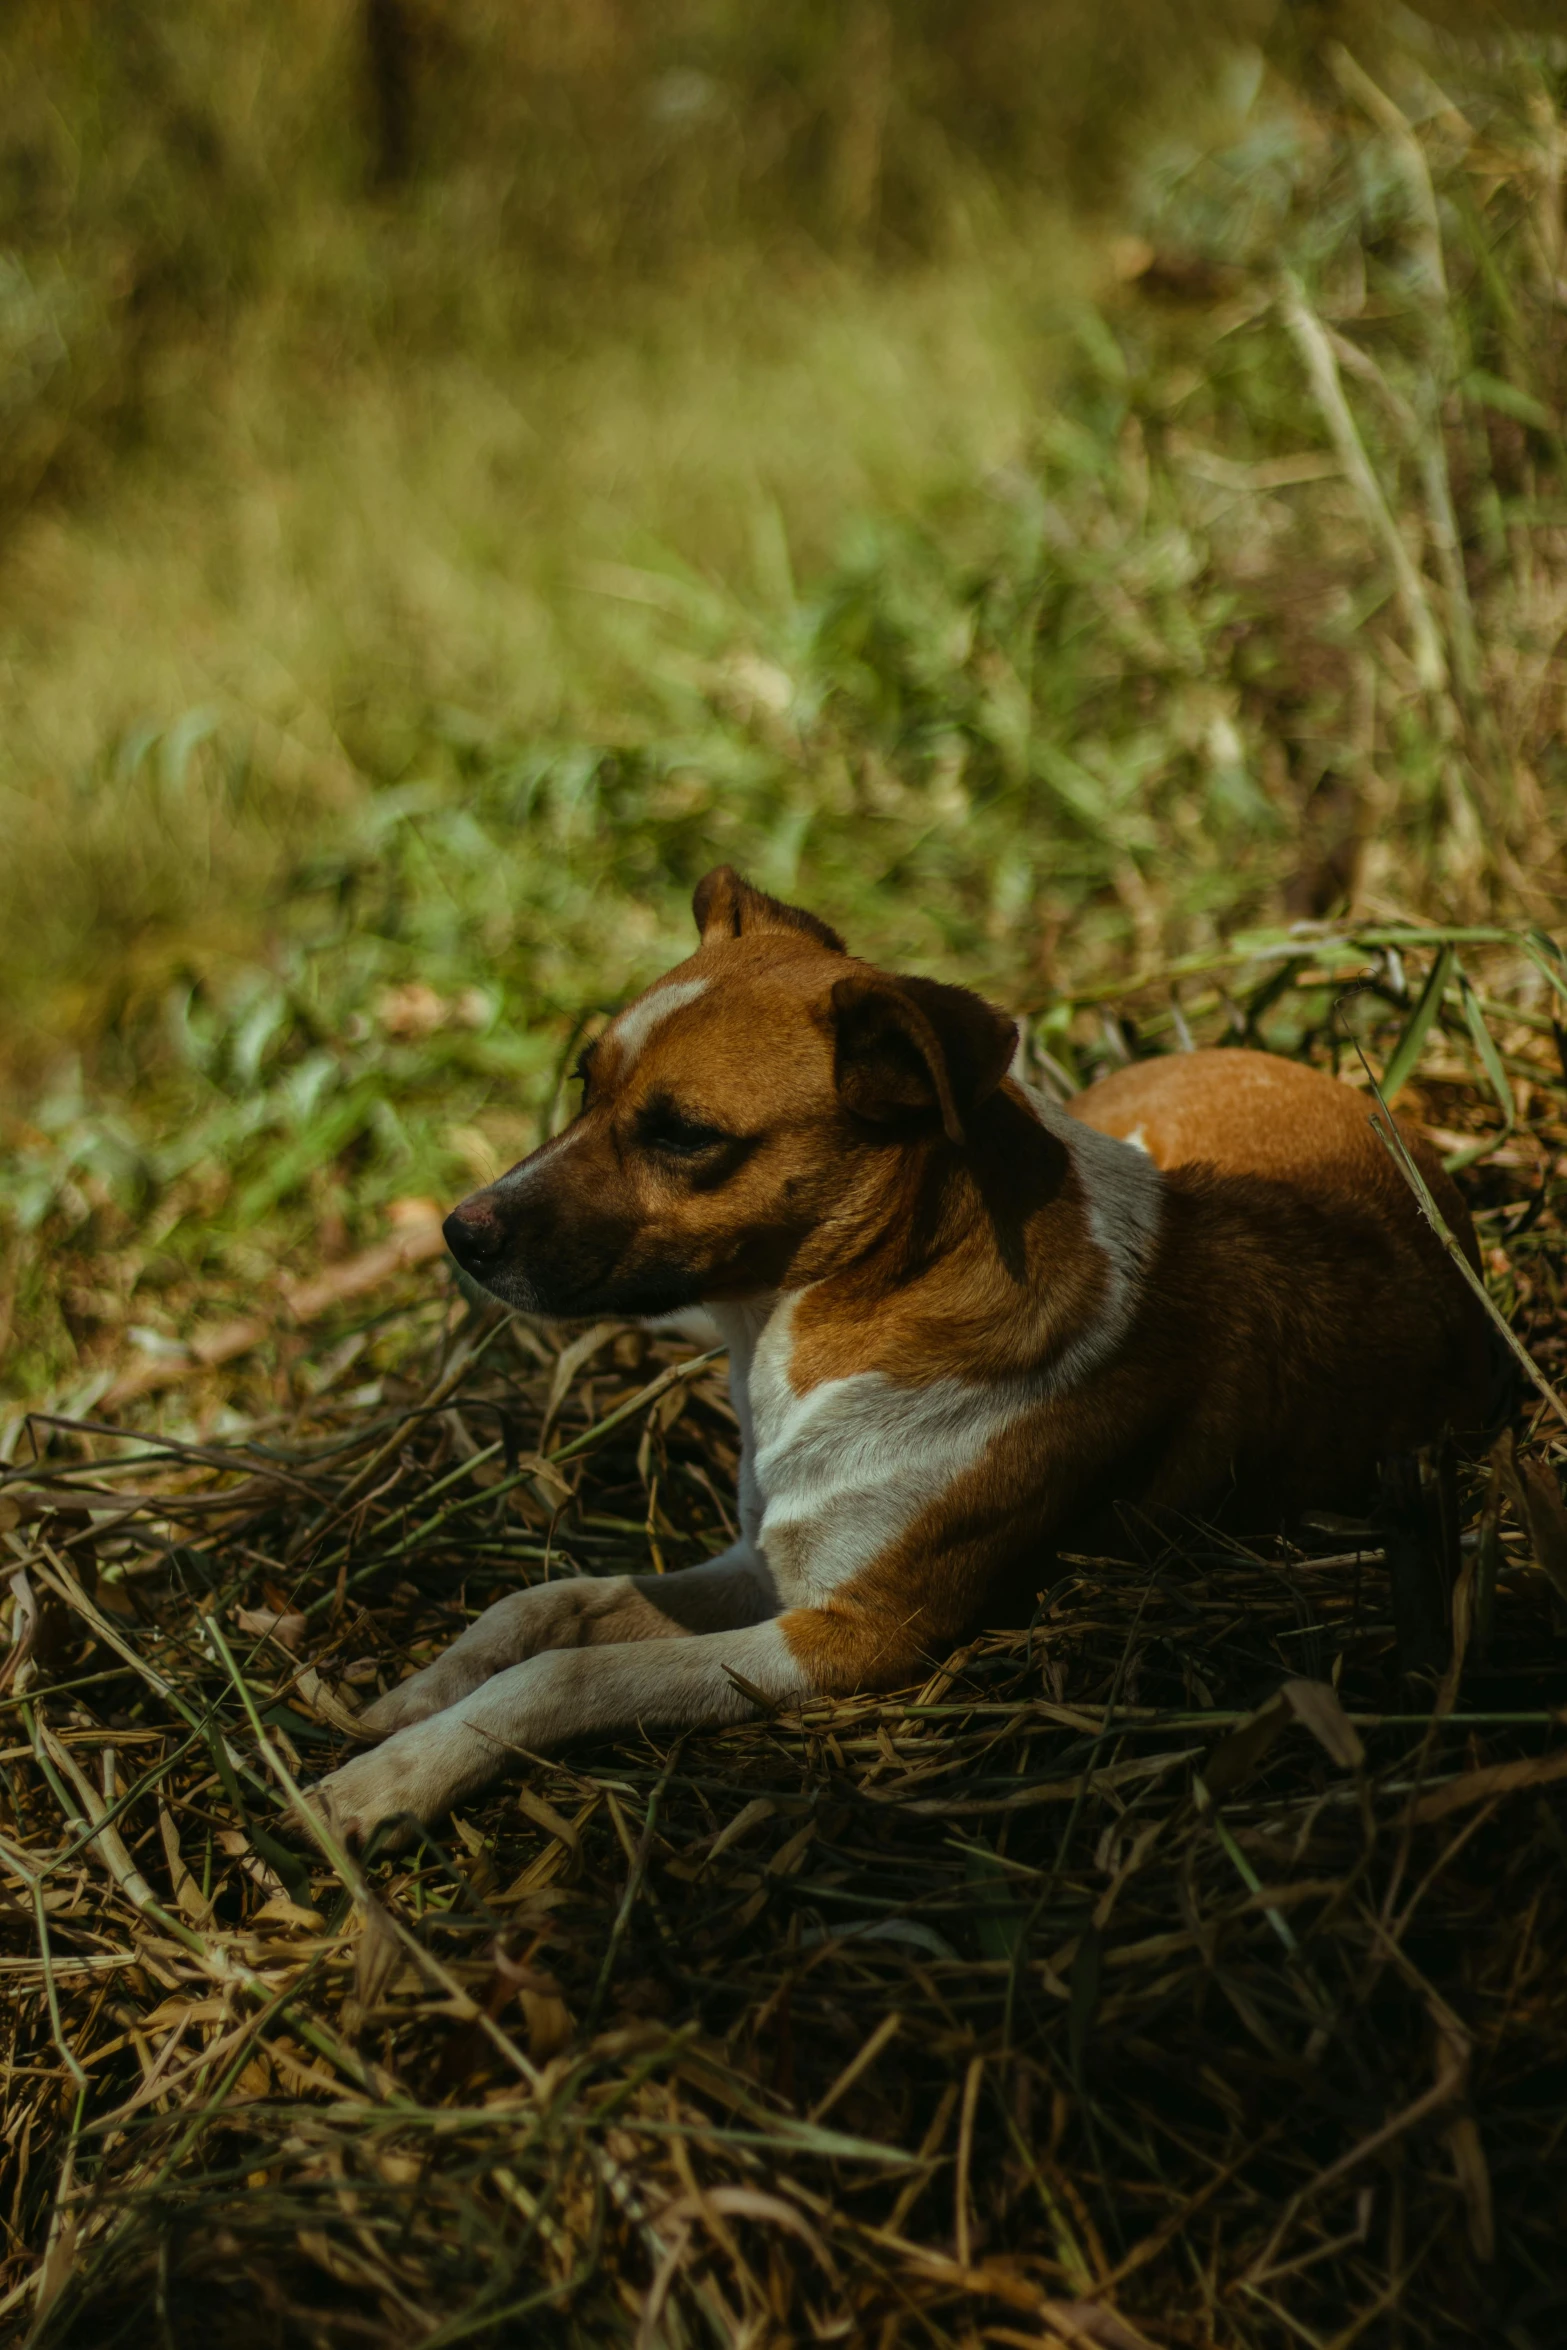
x=303 y=1732
x=225 y=1770
x=1087 y=1966
x=284 y=1864
x=321 y=1140
x=1081 y=794
x=1407 y=1051
x=998 y=1921
x=1490 y=391
x=1485 y=1046
x=1546 y=955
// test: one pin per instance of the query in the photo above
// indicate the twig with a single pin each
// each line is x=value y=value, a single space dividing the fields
x=1311 y=340
x=1385 y=1127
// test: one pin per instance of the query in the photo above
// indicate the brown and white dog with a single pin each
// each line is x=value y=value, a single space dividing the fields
x=962 y=1323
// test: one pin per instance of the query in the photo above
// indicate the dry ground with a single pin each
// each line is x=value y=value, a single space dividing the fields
x=1184 y=1969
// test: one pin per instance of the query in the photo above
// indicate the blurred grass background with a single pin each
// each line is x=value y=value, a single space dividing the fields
x=1057 y=488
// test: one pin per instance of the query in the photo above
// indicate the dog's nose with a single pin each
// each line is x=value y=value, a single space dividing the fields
x=473 y=1234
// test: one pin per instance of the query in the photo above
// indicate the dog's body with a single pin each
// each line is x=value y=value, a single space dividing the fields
x=962 y=1324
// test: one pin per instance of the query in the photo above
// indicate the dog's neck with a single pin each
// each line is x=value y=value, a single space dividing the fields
x=861 y=1395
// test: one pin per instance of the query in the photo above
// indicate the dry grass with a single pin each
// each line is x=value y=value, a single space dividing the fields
x=1183 y=1970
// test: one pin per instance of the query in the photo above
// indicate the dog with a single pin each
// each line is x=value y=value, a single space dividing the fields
x=963 y=1324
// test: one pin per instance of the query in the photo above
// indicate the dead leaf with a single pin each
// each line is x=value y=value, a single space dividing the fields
x=376 y=1958
x=1313 y=1704
x=237 y=1845
x=551 y=2025
x=265 y=1622
x=1495 y=1779
x=1474 y=2181
x=544 y=1815
x=1545 y=1515
x=789 y=1856
x=1239 y=1753
x=279 y=1910
x=749 y=1816
x=328 y=1705
x=1079 y=2323
x=181 y=2010
x=1316 y=1707
x=255 y=2080
x=675 y=2223
x=60 y=2256
x=187 y=1893
x=24 y=1626
x=567 y=1364
x=412 y=1011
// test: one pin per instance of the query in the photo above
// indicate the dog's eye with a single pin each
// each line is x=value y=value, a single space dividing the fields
x=662 y=1127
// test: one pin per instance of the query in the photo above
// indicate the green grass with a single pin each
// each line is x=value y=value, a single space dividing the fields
x=1021 y=600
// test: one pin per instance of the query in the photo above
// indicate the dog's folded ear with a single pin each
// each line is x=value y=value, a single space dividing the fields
x=906 y=1047
x=726 y=906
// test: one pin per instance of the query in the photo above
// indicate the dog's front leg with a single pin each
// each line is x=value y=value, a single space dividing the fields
x=669 y=1683
x=585 y=1611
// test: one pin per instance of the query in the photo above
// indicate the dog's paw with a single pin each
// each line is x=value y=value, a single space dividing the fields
x=410 y=1780
x=413 y=1700
x=432 y=1690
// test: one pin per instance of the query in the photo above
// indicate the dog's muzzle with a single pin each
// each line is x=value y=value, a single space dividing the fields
x=476 y=1238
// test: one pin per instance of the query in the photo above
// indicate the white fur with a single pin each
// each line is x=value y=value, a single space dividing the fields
x=830 y=1479
x=632 y=1030
x=523 y=1177
x=741 y=1327
x=1125 y=1194
x=724 y=1593
x=563 y=1693
x=694 y=1323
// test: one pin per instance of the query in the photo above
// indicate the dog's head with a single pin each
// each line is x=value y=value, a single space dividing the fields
x=747 y=1123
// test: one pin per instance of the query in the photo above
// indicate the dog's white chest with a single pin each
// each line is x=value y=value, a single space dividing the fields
x=829 y=1480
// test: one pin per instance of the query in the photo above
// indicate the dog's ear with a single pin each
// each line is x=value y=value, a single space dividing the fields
x=903 y=1047
x=726 y=906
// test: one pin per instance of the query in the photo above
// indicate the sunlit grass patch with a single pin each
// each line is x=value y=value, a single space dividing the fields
x=1042 y=611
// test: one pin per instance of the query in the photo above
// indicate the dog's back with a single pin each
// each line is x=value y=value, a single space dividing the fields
x=1251 y=1113
x=1324 y=1308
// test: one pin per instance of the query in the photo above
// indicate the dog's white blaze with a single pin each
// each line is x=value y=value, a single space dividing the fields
x=521 y=1177
x=632 y=1030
